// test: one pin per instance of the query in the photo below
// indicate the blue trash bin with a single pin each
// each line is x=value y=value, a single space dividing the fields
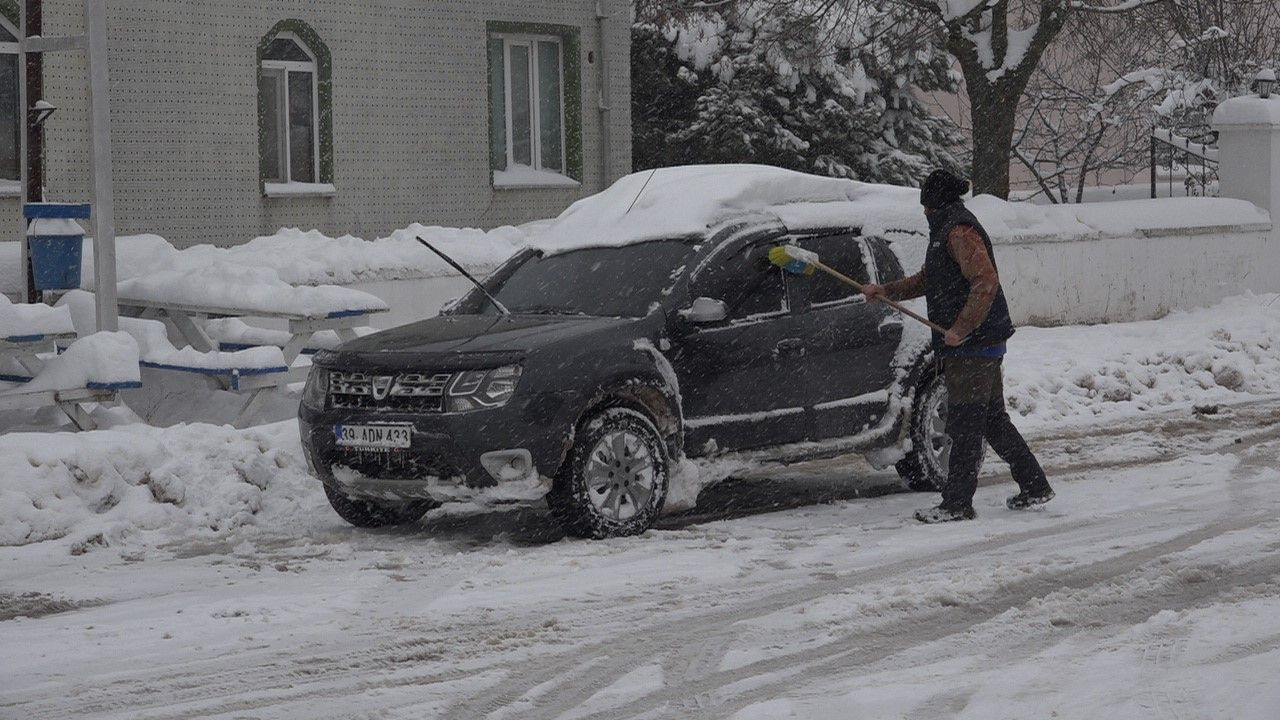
x=55 y=244
x=55 y=261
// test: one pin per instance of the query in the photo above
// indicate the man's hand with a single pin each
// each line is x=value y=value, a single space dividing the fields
x=874 y=292
x=952 y=339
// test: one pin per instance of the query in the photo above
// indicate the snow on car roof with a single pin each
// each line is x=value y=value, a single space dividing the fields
x=683 y=201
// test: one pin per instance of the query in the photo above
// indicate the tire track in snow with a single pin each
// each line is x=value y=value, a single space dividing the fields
x=690 y=636
x=864 y=649
x=712 y=631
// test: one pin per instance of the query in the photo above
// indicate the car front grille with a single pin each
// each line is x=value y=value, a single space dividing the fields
x=404 y=392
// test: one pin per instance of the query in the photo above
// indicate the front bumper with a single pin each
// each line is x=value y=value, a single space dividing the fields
x=502 y=453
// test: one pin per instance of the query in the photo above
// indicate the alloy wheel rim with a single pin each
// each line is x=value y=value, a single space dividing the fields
x=620 y=475
x=939 y=443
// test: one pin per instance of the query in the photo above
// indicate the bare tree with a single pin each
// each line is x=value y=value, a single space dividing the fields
x=998 y=45
x=1098 y=92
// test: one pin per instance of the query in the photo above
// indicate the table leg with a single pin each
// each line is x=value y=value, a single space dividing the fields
x=295 y=346
x=255 y=402
x=191 y=331
x=78 y=416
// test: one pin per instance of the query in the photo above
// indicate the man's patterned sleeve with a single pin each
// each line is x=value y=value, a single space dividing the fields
x=970 y=252
x=906 y=288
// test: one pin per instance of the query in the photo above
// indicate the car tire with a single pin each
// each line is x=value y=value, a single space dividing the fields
x=368 y=514
x=616 y=477
x=924 y=469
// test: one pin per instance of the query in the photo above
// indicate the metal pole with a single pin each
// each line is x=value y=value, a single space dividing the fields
x=603 y=100
x=1152 y=164
x=104 y=230
x=23 y=103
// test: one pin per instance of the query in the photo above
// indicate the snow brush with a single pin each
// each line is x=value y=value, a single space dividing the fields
x=799 y=261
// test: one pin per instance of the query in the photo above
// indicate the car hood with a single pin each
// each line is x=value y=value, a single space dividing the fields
x=467 y=340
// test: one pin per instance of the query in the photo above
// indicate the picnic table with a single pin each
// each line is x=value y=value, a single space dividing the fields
x=25 y=352
x=187 y=318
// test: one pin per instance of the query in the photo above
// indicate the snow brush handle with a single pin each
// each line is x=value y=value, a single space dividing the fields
x=891 y=303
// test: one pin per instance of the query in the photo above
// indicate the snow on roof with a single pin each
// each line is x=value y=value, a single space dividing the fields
x=682 y=201
x=1248 y=110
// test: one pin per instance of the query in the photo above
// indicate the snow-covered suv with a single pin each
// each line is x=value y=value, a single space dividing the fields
x=600 y=366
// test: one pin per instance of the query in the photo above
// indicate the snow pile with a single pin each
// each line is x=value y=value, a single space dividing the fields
x=103 y=358
x=1202 y=356
x=312 y=258
x=225 y=285
x=111 y=486
x=154 y=346
x=19 y=320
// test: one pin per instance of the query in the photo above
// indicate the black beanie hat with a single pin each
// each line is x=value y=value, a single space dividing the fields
x=940 y=188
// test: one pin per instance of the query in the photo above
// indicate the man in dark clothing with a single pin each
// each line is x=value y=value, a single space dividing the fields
x=962 y=288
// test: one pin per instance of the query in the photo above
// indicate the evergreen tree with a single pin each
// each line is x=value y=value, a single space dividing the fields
x=792 y=84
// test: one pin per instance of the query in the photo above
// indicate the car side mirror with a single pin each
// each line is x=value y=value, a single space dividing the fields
x=705 y=310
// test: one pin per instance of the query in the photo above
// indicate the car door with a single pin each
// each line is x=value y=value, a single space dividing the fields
x=737 y=376
x=851 y=342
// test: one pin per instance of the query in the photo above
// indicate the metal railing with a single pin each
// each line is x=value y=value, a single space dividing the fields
x=1201 y=180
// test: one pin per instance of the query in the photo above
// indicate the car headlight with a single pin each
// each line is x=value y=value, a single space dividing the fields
x=317 y=388
x=478 y=389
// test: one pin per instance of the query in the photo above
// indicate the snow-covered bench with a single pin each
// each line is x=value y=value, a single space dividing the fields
x=244 y=370
x=187 y=300
x=92 y=369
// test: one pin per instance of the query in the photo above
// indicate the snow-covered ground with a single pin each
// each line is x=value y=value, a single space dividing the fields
x=196 y=571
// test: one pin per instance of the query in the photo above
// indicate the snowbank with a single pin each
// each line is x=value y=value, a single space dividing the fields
x=111 y=486
x=226 y=285
x=313 y=258
x=1203 y=356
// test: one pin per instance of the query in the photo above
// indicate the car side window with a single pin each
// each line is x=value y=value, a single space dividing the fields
x=888 y=268
x=840 y=252
x=765 y=292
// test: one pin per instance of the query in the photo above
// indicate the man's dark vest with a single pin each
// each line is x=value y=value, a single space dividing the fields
x=946 y=288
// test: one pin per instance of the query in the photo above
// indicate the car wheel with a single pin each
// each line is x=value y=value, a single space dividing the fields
x=615 y=480
x=368 y=514
x=925 y=467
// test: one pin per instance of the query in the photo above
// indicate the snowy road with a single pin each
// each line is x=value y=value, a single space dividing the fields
x=1149 y=589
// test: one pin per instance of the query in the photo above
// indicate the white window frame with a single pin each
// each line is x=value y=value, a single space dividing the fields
x=282 y=68
x=535 y=99
x=11 y=186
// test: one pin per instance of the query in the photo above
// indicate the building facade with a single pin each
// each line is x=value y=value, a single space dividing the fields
x=234 y=118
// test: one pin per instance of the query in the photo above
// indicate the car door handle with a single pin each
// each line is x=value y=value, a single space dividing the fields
x=790 y=347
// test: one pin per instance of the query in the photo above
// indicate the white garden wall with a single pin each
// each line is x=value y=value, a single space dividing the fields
x=1139 y=277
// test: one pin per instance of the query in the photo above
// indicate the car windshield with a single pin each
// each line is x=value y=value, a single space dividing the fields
x=621 y=281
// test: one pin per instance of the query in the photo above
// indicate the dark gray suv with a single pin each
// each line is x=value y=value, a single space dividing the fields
x=605 y=365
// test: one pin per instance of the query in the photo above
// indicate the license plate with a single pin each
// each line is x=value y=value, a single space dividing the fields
x=373 y=437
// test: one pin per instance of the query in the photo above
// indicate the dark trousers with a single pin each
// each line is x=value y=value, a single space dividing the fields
x=975 y=410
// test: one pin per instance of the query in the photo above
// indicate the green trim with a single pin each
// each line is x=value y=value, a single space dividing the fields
x=9 y=8
x=324 y=84
x=571 y=37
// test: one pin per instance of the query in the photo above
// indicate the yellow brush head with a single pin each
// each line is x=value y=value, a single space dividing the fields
x=783 y=257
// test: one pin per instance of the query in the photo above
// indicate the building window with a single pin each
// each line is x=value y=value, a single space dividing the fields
x=288 y=94
x=10 y=168
x=527 y=110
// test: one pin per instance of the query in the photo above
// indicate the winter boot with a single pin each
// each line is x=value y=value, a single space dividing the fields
x=1029 y=499
x=940 y=514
